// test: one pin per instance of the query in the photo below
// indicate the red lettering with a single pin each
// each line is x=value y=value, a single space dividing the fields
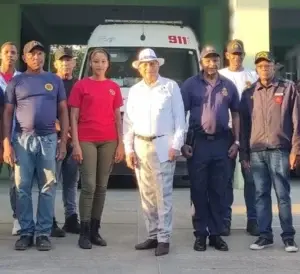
x=173 y=39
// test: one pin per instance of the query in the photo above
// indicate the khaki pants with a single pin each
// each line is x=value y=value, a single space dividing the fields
x=155 y=182
x=95 y=170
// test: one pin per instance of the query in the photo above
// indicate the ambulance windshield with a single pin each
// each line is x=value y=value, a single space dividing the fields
x=180 y=64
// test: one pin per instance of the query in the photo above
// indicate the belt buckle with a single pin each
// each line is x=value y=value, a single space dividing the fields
x=210 y=137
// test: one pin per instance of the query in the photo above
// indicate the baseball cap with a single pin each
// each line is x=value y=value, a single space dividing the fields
x=264 y=55
x=30 y=46
x=63 y=52
x=208 y=50
x=235 y=46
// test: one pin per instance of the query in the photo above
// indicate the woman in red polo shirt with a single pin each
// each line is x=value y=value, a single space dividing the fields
x=95 y=103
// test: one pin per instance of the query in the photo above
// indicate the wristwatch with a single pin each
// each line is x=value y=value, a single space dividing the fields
x=237 y=143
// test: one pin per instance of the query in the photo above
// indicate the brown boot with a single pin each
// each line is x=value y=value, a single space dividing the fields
x=162 y=249
x=148 y=244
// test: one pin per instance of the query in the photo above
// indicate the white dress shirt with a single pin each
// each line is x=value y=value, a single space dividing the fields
x=155 y=111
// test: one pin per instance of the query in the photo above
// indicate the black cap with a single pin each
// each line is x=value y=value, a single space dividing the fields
x=234 y=46
x=264 y=55
x=30 y=46
x=209 y=50
x=63 y=52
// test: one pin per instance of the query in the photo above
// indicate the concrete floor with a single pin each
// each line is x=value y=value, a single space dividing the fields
x=123 y=227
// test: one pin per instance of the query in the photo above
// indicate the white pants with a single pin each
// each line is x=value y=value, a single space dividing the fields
x=155 y=181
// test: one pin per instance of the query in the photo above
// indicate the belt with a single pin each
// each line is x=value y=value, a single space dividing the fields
x=147 y=138
x=212 y=137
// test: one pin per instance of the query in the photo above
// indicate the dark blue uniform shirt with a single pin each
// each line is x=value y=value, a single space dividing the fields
x=209 y=105
x=36 y=99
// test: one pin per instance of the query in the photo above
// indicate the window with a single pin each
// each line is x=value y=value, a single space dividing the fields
x=180 y=64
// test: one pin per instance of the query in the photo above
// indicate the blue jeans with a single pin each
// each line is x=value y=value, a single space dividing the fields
x=272 y=167
x=12 y=192
x=249 y=193
x=68 y=175
x=35 y=153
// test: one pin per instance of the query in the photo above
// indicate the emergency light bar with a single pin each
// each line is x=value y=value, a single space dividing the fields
x=117 y=21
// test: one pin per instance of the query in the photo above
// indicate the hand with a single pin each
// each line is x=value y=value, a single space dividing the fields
x=173 y=153
x=9 y=155
x=294 y=161
x=187 y=151
x=57 y=126
x=131 y=160
x=245 y=165
x=119 y=155
x=77 y=153
x=233 y=151
x=61 y=151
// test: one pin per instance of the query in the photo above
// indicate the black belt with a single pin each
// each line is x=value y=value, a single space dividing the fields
x=147 y=138
x=212 y=137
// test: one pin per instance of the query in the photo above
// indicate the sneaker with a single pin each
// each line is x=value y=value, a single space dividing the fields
x=16 y=228
x=290 y=245
x=261 y=243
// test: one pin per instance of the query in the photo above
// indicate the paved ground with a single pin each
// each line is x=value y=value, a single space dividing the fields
x=123 y=227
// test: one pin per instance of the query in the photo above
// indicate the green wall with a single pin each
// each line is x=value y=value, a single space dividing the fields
x=10 y=23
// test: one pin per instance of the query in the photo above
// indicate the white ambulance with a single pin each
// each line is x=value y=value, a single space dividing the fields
x=124 y=39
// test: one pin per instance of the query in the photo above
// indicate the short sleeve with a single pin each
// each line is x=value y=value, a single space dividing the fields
x=118 y=101
x=235 y=99
x=75 y=97
x=10 y=93
x=61 y=94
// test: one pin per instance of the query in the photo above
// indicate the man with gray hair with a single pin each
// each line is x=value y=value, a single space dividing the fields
x=154 y=125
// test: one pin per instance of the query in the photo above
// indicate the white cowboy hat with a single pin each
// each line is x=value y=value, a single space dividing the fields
x=147 y=55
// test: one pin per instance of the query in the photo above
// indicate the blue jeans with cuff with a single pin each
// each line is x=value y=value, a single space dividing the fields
x=35 y=153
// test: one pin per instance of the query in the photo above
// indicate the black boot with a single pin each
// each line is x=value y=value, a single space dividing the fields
x=72 y=225
x=96 y=239
x=85 y=235
x=56 y=231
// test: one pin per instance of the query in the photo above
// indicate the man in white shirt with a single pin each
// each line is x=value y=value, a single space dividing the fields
x=9 y=57
x=242 y=78
x=154 y=126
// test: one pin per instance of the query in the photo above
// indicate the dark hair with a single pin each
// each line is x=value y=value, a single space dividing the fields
x=99 y=50
x=9 y=43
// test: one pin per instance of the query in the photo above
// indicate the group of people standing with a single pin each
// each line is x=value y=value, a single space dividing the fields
x=54 y=126
x=235 y=113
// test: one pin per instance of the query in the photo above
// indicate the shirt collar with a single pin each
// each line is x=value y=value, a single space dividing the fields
x=274 y=83
x=219 y=80
x=158 y=82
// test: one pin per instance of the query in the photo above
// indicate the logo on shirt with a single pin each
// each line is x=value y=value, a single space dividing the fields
x=247 y=84
x=224 y=92
x=278 y=97
x=112 y=92
x=49 y=87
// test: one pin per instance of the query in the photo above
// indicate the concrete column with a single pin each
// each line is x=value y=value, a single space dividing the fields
x=249 y=22
x=213 y=26
x=10 y=23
